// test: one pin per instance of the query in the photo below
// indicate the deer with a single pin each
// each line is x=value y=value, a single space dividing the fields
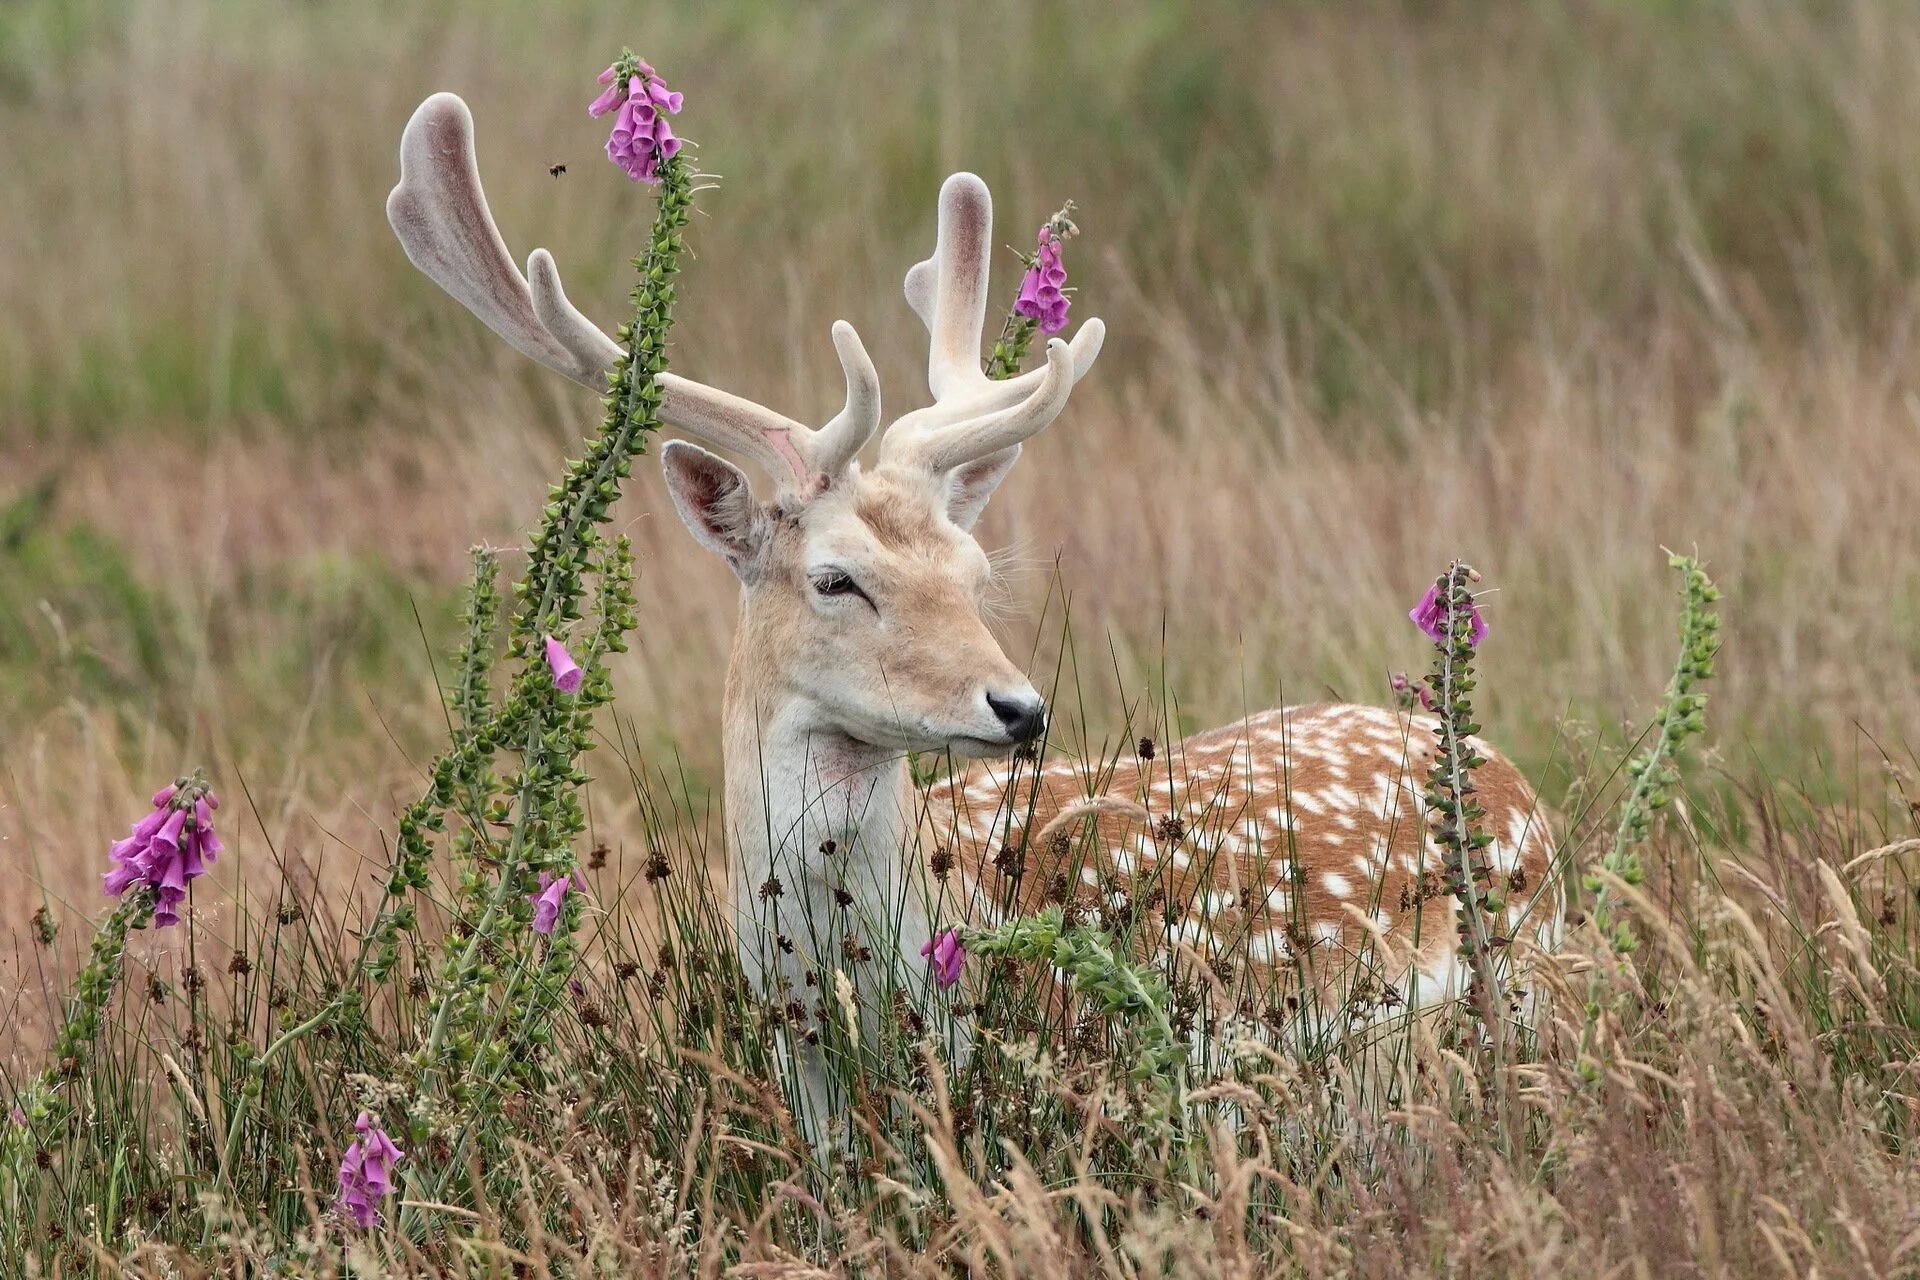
x=1294 y=836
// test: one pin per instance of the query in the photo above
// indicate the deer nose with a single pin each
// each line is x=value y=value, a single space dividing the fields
x=1023 y=715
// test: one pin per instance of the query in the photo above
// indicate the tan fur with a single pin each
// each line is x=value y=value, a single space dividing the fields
x=912 y=667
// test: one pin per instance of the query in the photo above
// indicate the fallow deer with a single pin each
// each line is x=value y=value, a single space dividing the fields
x=1291 y=837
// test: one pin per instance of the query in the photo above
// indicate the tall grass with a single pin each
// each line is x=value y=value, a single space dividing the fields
x=1750 y=1059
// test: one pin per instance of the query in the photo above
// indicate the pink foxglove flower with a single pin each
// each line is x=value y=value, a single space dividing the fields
x=547 y=902
x=1041 y=298
x=641 y=138
x=366 y=1172
x=1406 y=692
x=566 y=672
x=947 y=953
x=166 y=850
x=612 y=96
x=1430 y=615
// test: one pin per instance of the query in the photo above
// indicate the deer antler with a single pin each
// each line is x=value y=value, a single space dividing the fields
x=440 y=214
x=972 y=415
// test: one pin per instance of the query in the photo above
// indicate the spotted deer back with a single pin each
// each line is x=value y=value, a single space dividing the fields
x=1295 y=835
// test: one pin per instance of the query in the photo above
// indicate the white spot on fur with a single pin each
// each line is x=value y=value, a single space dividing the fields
x=1190 y=931
x=1267 y=947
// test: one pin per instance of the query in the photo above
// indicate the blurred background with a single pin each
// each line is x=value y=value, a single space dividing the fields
x=1546 y=286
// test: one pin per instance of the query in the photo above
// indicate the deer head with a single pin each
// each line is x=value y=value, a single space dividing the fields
x=863 y=589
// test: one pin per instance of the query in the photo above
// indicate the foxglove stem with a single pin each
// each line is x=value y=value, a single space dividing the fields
x=472 y=706
x=1451 y=808
x=43 y=1103
x=1010 y=350
x=472 y=691
x=561 y=552
x=560 y=555
x=464 y=1041
x=1682 y=715
x=615 y=605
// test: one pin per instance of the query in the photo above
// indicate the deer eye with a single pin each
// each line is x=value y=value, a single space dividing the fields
x=834 y=583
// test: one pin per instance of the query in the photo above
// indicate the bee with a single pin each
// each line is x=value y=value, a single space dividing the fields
x=557 y=170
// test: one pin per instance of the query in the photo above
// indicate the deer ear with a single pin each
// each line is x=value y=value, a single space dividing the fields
x=716 y=502
x=971 y=484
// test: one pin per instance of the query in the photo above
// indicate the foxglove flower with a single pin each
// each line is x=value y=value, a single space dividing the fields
x=366 y=1172
x=1406 y=692
x=547 y=902
x=566 y=672
x=167 y=849
x=610 y=97
x=641 y=136
x=947 y=953
x=1430 y=615
x=1041 y=298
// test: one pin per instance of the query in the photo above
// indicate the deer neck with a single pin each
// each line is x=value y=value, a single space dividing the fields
x=820 y=828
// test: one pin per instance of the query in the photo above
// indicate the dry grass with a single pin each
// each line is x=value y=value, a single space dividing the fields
x=1549 y=287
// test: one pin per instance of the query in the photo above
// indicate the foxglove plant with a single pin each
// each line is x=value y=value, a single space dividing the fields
x=166 y=849
x=520 y=826
x=1448 y=615
x=551 y=712
x=1042 y=301
x=486 y=984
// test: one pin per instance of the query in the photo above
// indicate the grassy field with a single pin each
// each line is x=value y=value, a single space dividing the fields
x=1550 y=287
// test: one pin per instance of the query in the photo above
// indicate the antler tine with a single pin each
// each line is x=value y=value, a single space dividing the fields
x=949 y=290
x=836 y=443
x=440 y=213
x=785 y=448
x=559 y=317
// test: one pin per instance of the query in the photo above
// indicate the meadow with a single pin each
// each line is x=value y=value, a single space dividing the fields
x=1553 y=288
